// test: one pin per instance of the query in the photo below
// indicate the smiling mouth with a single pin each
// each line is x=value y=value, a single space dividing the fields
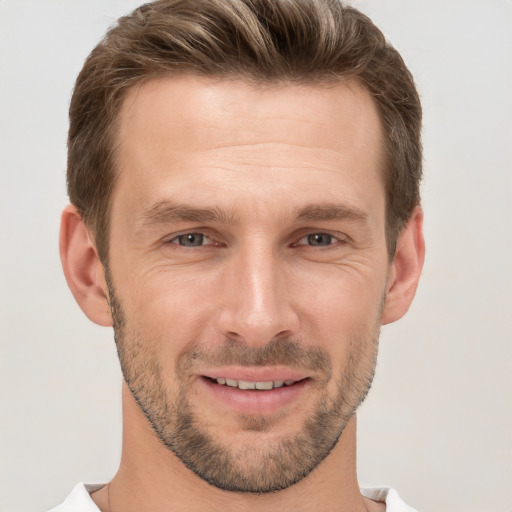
x=254 y=385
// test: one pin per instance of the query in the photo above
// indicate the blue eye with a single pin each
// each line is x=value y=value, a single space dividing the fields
x=320 y=239
x=190 y=240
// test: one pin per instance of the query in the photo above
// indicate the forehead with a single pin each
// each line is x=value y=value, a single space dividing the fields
x=189 y=107
x=194 y=136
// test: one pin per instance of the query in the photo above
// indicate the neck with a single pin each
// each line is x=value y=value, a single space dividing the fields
x=151 y=477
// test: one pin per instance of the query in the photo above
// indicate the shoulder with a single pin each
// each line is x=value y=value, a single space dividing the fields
x=79 y=500
x=388 y=496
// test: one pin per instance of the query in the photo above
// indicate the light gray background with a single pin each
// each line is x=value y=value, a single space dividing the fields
x=438 y=422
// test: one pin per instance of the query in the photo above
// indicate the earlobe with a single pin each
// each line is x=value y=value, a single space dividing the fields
x=82 y=267
x=406 y=269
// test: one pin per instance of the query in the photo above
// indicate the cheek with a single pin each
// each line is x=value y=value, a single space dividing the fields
x=172 y=309
x=176 y=307
x=343 y=314
x=339 y=295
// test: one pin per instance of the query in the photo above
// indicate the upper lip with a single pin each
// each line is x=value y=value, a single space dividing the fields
x=255 y=374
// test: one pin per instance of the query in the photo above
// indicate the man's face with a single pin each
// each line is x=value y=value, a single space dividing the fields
x=247 y=250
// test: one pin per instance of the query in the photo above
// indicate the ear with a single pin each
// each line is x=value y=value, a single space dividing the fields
x=406 y=269
x=82 y=267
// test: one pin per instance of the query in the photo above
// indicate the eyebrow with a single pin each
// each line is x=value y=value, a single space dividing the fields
x=164 y=212
x=331 y=211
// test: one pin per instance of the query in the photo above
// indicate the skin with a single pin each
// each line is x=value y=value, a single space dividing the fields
x=259 y=155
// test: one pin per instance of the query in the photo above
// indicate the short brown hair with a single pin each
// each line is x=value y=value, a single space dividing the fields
x=294 y=41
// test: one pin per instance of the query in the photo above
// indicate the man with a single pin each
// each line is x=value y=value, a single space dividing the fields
x=244 y=185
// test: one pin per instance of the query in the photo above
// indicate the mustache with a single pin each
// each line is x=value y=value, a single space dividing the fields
x=278 y=351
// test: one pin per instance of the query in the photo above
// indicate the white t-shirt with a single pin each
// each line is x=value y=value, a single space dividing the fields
x=80 y=500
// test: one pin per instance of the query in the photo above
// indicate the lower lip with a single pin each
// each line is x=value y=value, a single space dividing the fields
x=254 y=401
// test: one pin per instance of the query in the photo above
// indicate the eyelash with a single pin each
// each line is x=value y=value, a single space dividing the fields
x=333 y=239
x=189 y=234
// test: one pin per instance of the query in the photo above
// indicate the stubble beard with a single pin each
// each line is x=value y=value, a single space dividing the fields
x=251 y=467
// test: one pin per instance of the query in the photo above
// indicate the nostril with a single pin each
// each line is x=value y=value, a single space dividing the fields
x=284 y=334
x=234 y=336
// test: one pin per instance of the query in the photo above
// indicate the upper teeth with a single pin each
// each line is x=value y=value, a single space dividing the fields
x=245 y=384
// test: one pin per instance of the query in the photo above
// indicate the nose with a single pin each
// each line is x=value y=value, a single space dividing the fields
x=257 y=305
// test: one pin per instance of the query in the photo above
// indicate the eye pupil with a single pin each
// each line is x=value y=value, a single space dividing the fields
x=320 y=239
x=191 y=239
